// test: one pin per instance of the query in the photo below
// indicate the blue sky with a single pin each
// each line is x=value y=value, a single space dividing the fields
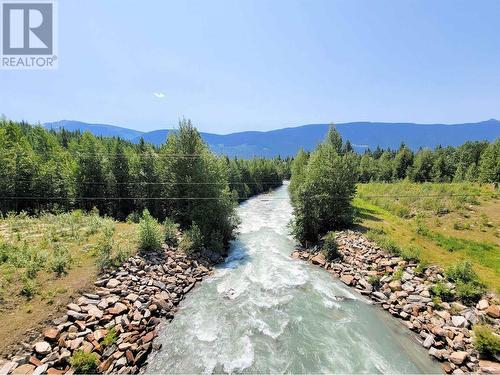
x=265 y=64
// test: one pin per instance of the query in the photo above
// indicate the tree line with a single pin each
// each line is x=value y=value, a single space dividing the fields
x=474 y=161
x=182 y=179
x=323 y=182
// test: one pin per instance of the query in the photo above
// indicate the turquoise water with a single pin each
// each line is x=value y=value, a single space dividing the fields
x=264 y=312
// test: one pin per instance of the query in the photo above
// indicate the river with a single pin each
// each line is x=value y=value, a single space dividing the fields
x=264 y=312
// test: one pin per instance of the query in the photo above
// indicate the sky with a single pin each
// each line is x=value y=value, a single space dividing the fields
x=265 y=64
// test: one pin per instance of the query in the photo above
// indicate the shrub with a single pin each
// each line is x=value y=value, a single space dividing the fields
x=110 y=338
x=461 y=271
x=330 y=248
x=421 y=267
x=171 y=231
x=486 y=341
x=61 y=260
x=149 y=233
x=29 y=287
x=192 y=240
x=374 y=280
x=470 y=293
x=410 y=254
x=104 y=247
x=133 y=217
x=84 y=363
x=398 y=275
x=442 y=291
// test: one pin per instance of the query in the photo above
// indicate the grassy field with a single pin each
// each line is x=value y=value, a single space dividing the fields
x=441 y=222
x=46 y=260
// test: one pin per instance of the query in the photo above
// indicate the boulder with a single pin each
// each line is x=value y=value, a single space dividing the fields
x=458 y=357
x=493 y=311
x=318 y=259
x=429 y=341
x=113 y=283
x=23 y=369
x=459 y=321
x=42 y=348
x=483 y=304
x=347 y=279
x=489 y=367
x=51 y=334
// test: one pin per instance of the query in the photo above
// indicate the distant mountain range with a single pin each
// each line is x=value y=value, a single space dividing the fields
x=287 y=141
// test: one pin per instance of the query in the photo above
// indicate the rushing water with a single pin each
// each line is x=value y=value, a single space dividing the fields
x=264 y=312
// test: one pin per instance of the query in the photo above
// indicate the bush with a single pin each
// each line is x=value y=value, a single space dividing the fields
x=171 y=231
x=486 y=341
x=330 y=248
x=133 y=217
x=110 y=338
x=461 y=272
x=192 y=240
x=470 y=293
x=61 y=260
x=410 y=254
x=398 y=275
x=104 y=248
x=374 y=280
x=84 y=363
x=149 y=233
x=441 y=291
x=29 y=287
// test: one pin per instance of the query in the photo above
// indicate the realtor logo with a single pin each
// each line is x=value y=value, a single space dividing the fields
x=28 y=35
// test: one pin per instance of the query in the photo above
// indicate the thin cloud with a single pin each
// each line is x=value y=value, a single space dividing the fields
x=159 y=95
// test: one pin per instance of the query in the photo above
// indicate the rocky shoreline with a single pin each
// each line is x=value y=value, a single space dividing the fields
x=118 y=320
x=445 y=332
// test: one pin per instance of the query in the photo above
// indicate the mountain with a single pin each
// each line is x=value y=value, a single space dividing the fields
x=96 y=129
x=287 y=141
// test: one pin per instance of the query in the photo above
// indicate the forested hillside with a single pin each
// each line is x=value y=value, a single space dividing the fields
x=182 y=179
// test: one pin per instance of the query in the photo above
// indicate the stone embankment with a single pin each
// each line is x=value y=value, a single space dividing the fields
x=118 y=320
x=445 y=330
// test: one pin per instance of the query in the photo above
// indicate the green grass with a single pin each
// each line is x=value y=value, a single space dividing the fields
x=418 y=223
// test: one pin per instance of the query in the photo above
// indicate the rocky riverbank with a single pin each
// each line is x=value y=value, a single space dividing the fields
x=445 y=330
x=118 y=320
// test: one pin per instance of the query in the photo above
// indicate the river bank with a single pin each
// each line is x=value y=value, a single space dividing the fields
x=263 y=312
x=445 y=331
x=117 y=322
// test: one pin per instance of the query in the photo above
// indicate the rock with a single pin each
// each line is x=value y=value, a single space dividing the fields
x=446 y=366
x=318 y=259
x=99 y=334
x=95 y=312
x=42 y=348
x=483 y=304
x=395 y=285
x=379 y=295
x=459 y=321
x=74 y=307
x=148 y=337
x=347 y=279
x=51 y=334
x=75 y=315
x=458 y=357
x=24 y=369
x=113 y=283
x=8 y=367
x=429 y=341
x=117 y=309
x=132 y=297
x=435 y=352
x=489 y=367
x=493 y=311
x=42 y=369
